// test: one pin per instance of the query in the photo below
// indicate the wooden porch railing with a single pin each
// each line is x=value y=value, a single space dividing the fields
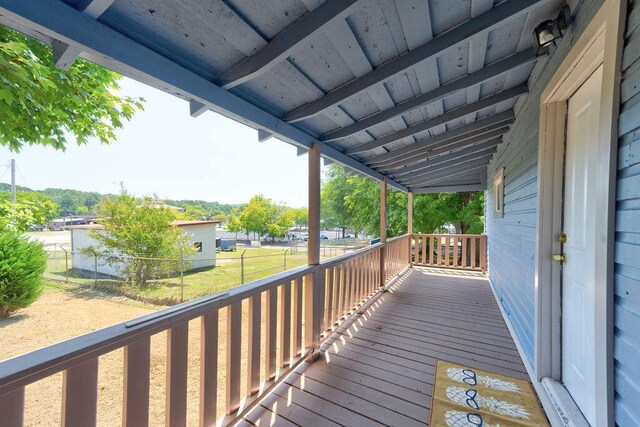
x=292 y=310
x=465 y=251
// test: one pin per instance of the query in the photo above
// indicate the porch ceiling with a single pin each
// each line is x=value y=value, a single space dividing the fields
x=417 y=91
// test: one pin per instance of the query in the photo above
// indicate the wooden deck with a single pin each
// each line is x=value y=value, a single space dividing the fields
x=379 y=370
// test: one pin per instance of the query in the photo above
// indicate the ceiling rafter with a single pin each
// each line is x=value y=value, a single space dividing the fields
x=65 y=55
x=449 y=174
x=286 y=41
x=505 y=11
x=461 y=133
x=479 y=186
x=468 y=162
x=494 y=136
x=449 y=116
x=432 y=160
x=462 y=83
x=446 y=161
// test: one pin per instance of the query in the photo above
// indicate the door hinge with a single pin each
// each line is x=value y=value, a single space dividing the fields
x=561 y=258
x=562 y=238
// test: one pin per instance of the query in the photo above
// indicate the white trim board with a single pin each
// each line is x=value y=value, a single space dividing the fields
x=599 y=44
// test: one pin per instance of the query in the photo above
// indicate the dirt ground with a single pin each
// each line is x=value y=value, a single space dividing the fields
x=62 y=313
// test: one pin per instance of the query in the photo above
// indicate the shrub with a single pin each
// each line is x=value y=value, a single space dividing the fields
x=22 y=264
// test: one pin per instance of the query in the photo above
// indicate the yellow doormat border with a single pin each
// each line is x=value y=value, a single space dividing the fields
x=467 y=397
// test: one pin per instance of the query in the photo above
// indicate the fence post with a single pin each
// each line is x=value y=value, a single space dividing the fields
x=95 y=267
x=181 y=275
x=285 y=260
x=242 y=267
x=66 y=264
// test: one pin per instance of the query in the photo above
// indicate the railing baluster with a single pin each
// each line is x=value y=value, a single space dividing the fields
x=297 y=317
x=271 y=333
x=330 y=291
x=135 y=403
x=463 y=249
x=12 y=408
x=455 y=250
x=285 y=324
x=483 y=253
x=209 y=369
x=177 y=359
x=254 y=321
x=432 y=249
x=474 y=260
x=80 y=394
x=234 y=344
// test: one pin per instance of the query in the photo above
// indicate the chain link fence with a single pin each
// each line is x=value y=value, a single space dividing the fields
x=167 y=281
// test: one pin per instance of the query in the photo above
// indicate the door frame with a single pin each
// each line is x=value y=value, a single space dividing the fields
x=600 y=43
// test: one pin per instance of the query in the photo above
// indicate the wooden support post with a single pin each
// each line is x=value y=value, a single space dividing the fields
x=314 y=283
x=383 y=230
x=313 y=242
x=410 y=225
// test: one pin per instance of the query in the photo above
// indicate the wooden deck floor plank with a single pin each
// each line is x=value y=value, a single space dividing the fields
x=364 y=351
x=474 y=314
x=356 y=404
x=323 y=407
x=289 y=411
x=450 y=320
x=417 y=371
x=406 y=352
x=453 y=324
x=419 y=382
x=446 y=330
x=332 y=375
x=442 y=341
x=428 y=334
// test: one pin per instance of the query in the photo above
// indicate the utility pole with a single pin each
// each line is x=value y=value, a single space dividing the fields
x=13 y=181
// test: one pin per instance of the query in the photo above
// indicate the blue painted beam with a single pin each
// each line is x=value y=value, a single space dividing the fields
x=113 y=50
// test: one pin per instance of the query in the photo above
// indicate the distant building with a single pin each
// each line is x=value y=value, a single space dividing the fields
x=72 y=220
x=202 y=234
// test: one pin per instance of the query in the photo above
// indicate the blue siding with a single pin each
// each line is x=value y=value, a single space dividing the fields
x=627 y=247
x=512 y=238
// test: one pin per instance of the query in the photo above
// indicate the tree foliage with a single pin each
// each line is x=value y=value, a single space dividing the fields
x=31 y=208
x=41 y=104
x=351 y=201
x=264 y=217
x=22 y=264
x=135 y=232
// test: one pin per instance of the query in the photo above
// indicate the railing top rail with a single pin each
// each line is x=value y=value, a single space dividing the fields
x=393 y=239
x=350 y=255
x=28 y=368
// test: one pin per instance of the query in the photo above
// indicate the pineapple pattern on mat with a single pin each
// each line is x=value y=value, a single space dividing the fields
x=467 y=397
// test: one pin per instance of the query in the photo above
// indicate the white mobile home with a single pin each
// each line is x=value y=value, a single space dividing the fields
x=202 y=234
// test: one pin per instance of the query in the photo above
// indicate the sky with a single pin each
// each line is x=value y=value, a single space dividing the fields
x=165 y=151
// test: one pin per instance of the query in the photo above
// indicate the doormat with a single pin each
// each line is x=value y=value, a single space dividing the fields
x=465 y=397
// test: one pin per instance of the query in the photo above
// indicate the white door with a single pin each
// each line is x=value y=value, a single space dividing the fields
x=578 y=283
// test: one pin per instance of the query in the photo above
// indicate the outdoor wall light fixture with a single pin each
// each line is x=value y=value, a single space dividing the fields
x=547 y=32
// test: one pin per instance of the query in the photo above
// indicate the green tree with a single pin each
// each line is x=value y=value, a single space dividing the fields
x=301 y=217
x=22 y=264
x=31 y=208
x=256 y=217
x=133 y=233
x=41 y=104
x=335 y=189
x=233 y=222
